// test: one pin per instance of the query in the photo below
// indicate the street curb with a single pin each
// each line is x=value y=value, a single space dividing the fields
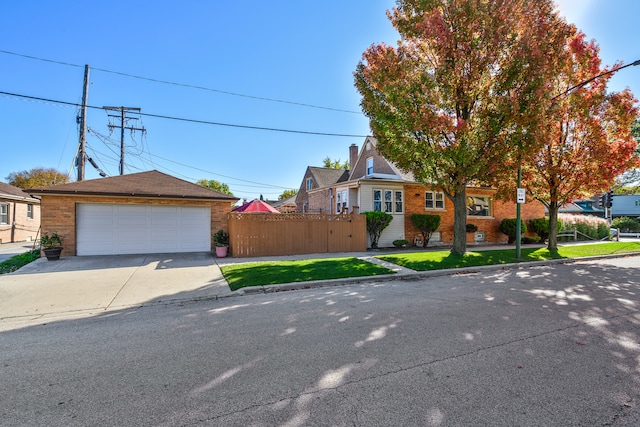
x=266 y=289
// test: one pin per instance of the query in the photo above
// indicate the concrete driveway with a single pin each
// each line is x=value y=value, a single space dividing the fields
x=79 y=286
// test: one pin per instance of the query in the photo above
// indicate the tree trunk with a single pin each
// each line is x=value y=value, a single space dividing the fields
x=460 y=222
x=553 y=227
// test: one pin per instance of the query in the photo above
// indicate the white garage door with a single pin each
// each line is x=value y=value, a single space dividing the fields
x=141 y=229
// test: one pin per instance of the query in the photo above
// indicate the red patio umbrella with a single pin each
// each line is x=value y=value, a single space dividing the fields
x=256 y=206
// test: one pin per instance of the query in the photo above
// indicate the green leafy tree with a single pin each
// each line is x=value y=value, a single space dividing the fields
x=37 y=177
x=335 y=164
x=215 y=185
x=454 y=101
x=376 y=223
x=287 y=193
x=426 y=225
x=625 y=224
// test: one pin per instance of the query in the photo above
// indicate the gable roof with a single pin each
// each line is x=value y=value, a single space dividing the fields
x=8 y=191
x=328 y=176
x=289 y=201
x=369 y=145
x=151 y=184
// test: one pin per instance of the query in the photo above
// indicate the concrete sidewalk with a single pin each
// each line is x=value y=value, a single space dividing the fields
x=80 y=286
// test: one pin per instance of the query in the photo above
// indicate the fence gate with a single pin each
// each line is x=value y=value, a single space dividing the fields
x=267 y=234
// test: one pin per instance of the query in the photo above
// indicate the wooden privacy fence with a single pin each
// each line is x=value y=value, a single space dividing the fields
x=267 y=234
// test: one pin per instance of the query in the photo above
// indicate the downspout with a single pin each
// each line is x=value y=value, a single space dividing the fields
x=13 y=223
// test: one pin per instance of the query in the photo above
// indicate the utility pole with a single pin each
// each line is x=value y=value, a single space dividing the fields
x=123 y=121
x=82 y=121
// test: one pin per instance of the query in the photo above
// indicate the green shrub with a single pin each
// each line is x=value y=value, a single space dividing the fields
x=540 y=226
x=376 y=223
x=471 y=228
x=626 y=224
x=400 y=242
x=508 y=227
x=426 y=224
x=530 y=239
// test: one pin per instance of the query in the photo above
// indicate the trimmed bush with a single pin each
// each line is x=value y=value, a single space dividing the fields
x=471 y=228
x=508 y=227
x=400 y=243
x=530 y=239
x=540 y=226
x=376 y=223
x=426 y=224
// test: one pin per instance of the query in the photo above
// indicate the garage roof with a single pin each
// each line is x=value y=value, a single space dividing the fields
x=8 y=191
x=151 y=184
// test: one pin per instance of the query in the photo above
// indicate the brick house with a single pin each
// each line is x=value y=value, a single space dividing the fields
x=314 y=193
x=147 y=212
x=376 y=184
x=19 y=215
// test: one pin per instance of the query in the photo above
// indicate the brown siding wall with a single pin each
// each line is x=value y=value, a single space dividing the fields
x=25 y=228
x=414 y=202
x=59 y=214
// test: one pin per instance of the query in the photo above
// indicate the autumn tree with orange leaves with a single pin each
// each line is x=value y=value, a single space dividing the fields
x=587 y=135
x=455 y=100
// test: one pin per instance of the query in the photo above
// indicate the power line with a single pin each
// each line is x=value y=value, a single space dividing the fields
x=183 y=119
x=108 y=141
x=260 y=98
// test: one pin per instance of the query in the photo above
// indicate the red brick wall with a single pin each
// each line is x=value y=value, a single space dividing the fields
x=59 y=214
x=414 y=203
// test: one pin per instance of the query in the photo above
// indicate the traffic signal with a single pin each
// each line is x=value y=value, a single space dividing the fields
x=609 y=199
x=602 y=201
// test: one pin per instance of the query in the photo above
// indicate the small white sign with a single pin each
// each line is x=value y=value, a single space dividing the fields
x=521 y=195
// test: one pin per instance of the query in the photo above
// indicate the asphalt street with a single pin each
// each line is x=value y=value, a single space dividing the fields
x=554 y=345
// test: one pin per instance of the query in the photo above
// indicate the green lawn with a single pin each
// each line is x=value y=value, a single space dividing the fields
x=271 y=273
x=14 y=263
x=423 y=261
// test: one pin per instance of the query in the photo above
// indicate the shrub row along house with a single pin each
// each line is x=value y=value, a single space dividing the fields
x=373 y=183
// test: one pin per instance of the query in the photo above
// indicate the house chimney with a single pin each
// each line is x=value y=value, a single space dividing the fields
x=353 y=156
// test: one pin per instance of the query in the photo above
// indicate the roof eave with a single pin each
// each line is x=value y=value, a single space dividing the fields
x=136 y=195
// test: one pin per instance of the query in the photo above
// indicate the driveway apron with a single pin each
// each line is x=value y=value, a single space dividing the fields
x=81 y=285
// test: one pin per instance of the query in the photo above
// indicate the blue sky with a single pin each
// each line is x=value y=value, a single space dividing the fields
x=295 y=51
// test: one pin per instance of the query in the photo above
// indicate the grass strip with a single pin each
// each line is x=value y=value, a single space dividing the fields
x=440 y=260
x=14 y=263
x=275 y=272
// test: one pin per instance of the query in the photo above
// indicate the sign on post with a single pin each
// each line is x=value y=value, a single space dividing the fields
x=520 y=195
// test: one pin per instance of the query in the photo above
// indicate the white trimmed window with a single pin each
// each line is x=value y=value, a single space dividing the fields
x=389 y=201
x=433 y=200
x=478 y=206
x=370 y=166
x=399 y=208
x=4 y=214
x=29 y=211
x=377 y=200
x=309 y=183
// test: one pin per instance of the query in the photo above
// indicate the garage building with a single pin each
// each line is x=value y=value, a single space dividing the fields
x=147 y=212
